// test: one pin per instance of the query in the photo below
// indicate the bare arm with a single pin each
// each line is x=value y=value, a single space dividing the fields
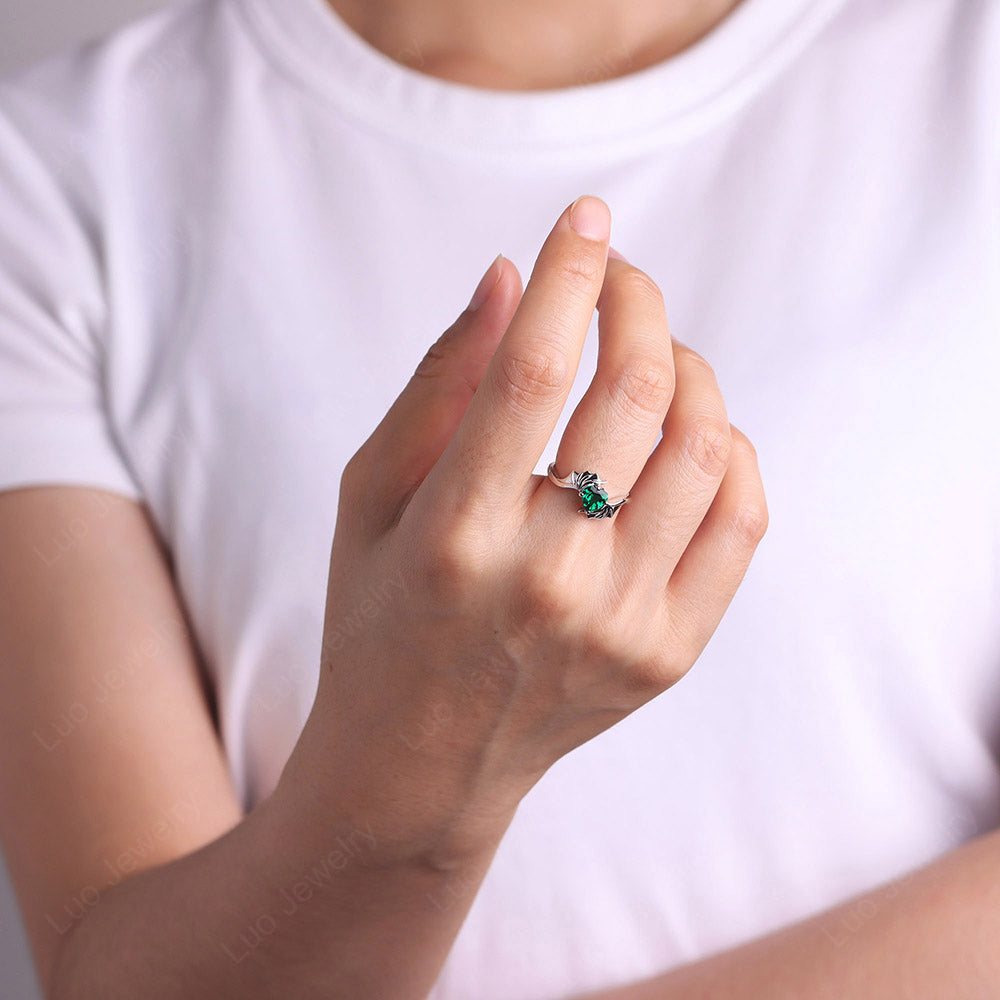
x=933 y=934
x=493 y=656
x=136 y=872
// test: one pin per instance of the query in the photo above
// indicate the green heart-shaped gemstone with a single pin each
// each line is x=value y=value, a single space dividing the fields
x=593 y=498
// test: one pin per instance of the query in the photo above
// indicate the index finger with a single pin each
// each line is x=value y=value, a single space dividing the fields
x=517 y=405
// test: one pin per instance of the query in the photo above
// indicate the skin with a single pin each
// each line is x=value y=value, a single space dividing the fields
x=353 y=877
x=931 y=935
x=422 y=801
x=532 y=45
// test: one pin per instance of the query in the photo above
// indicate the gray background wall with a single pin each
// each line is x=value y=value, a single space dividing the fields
x=30 y=29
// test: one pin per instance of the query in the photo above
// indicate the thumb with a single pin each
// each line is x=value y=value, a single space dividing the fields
x=418 y=426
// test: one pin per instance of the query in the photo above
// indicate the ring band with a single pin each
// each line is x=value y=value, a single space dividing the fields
x=590 y=486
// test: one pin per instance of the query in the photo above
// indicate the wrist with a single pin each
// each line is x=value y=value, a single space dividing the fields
x=396 y=813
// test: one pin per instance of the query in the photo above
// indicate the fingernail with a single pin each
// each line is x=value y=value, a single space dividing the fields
x=590 y=217
x=612 y=252
x=487 y=283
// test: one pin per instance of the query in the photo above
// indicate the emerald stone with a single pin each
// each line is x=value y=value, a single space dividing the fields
x=593 y=498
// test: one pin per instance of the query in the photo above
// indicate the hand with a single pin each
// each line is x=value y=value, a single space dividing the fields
x=503 y=628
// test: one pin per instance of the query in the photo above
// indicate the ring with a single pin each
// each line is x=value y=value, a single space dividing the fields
x=590 y=486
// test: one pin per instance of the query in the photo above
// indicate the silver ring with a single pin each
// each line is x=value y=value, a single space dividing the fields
x=593 y=496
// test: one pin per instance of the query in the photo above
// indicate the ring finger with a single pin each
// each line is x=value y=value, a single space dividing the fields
x=615 y=425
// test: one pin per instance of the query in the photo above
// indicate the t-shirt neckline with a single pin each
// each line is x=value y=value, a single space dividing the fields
x=667 y=101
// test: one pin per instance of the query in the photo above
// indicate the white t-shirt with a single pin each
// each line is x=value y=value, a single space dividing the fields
x=230 y=230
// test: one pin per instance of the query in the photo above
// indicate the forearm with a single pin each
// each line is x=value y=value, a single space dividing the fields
x=931 y=935
x=292 y=902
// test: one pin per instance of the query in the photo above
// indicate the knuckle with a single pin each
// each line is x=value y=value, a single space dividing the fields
x=440 y=363
x=579 y=267
x=530 y=377
x=636 y=283
x=644 y=386
x=622 y=635
x=709 y=445
x=447 y=565
x=354 y=466
x=742 y=443
x=750 y=520
x=695 y=365
x=602 y=638
x=356 y=474
x=662 y=661
x=545 y=594
x=651 y=674
x=433 y=363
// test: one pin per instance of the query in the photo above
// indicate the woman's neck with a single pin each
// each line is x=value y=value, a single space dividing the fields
x=531 y=44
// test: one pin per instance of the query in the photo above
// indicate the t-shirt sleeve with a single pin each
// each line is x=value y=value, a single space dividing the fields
x=54 y=418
